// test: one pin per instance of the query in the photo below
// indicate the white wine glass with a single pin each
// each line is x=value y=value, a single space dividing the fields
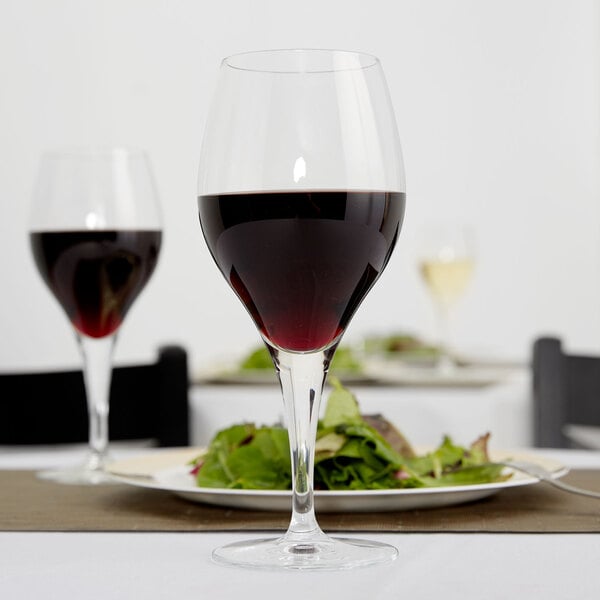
x=95 y=233
x=301 y=200
x=446 y=263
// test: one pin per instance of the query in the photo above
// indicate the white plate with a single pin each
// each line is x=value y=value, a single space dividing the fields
x=398 y=373
x=265 y=377
x=167 y=470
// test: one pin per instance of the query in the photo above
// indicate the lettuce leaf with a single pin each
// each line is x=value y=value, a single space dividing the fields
x=247 y=457
x=342 y=407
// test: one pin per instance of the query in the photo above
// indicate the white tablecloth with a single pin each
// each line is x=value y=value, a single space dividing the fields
x=103 y=566
x=177 y=566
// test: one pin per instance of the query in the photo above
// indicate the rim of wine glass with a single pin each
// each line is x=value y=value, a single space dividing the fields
x=370 y=61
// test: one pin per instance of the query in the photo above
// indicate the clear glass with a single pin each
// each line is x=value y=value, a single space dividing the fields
x=95 y=232
x=301 y=199
x=446 y=262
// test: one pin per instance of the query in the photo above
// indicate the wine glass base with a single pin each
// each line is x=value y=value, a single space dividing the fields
x=331 y=554
x=90 y=473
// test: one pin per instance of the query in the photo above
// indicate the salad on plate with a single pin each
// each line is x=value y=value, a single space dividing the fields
x=352 y=452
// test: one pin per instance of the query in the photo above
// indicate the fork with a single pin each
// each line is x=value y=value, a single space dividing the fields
x=543 y=474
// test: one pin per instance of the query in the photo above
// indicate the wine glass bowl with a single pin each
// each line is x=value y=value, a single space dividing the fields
x=95 y=234
x=301 y=200
x=303 y=271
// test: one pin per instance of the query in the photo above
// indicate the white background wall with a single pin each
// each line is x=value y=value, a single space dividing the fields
x=498 y=107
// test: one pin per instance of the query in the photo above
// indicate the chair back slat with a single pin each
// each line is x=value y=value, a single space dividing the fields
x=146 y=402
x=566 y=391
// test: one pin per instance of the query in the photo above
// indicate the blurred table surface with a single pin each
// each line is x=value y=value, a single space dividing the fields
x=178 y=565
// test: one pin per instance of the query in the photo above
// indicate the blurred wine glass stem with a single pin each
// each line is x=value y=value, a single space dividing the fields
x=97 y=369
x=445 y=364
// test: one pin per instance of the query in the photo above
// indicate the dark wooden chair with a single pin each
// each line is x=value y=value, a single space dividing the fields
x=566 y=391
x=146 y=402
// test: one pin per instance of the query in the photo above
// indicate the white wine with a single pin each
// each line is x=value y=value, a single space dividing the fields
x=447 y=279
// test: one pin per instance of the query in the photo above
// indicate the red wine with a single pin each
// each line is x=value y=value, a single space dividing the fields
x=96 y=275
x=302 y=262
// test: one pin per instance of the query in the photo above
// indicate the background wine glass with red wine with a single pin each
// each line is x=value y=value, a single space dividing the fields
x=95 y=234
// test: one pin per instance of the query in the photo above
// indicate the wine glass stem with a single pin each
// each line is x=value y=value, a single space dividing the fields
x=302 y=377
x=445 y=363
x=97 y=369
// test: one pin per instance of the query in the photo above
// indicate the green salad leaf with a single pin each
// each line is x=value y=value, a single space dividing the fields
x=342 y=407
x=257 y=359
x=400 y=343
x=247 y=457
x=350 y=454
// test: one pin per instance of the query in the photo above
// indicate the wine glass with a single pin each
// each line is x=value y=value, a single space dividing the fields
x=301 y=199
x=446 y=264
x=95 y=232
